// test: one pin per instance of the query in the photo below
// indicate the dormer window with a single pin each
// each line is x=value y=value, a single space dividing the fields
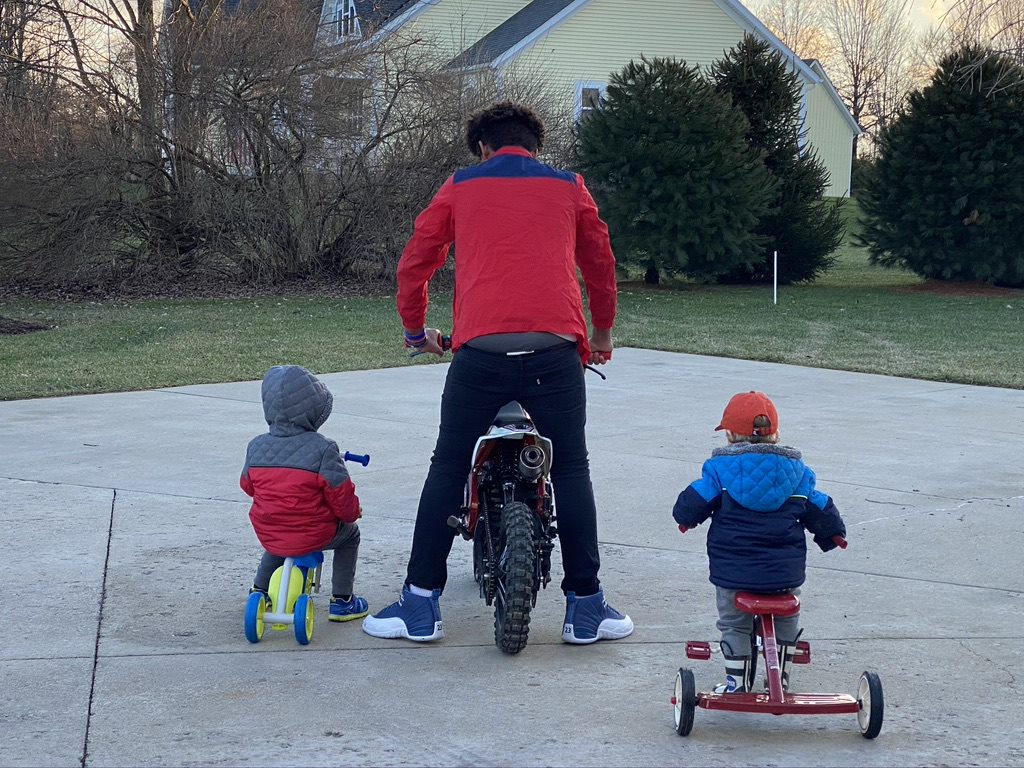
x=348 y=20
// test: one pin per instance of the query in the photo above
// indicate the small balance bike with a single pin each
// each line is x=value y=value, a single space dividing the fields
x=774 y=699
x=293 y=586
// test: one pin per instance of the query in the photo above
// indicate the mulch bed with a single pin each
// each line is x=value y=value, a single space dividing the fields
x=10 y=327
x=981 y=290
x=201 y=288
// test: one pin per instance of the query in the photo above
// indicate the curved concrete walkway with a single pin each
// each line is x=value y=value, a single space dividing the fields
x=130 y=552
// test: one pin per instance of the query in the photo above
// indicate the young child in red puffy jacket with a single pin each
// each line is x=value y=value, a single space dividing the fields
x=302 y=497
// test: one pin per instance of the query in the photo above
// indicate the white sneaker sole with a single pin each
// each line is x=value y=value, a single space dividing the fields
x=391 y=629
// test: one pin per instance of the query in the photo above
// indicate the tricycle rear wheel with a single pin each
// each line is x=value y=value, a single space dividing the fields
x=872 y=705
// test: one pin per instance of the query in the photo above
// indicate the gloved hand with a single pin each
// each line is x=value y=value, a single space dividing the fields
x=839 y=541
x=683 y=529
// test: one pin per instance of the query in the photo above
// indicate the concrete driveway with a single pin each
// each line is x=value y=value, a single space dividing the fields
x=130 y=554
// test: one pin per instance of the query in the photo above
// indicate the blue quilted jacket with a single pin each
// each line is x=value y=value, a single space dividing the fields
x=760 y=498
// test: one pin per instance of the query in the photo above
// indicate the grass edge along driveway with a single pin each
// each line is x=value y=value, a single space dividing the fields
x=898 y=330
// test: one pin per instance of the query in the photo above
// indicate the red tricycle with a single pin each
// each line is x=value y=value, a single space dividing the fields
x=773 y=697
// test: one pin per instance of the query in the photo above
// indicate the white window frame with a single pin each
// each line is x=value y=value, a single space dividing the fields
x=346 y=19
x=587 y=85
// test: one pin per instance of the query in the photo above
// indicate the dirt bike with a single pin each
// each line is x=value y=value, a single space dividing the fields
x=509 y=515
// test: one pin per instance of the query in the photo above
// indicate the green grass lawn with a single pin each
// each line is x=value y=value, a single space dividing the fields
x=858 y=317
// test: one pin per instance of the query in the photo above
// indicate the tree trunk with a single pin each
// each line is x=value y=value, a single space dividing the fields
x=152 y=176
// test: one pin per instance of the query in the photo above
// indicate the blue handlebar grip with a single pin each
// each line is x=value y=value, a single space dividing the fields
x=363 y=459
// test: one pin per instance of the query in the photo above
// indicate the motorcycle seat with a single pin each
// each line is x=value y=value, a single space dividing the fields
x=512 y=414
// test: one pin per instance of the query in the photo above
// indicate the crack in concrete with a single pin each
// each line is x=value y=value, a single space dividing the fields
x=99 y=628
x=128 y=490
x=1007 y=670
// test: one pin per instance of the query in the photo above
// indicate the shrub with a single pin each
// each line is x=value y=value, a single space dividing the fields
x=679 y=185
x=800 y=224
x=946 y=198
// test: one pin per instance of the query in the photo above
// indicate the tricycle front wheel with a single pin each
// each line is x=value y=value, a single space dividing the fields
x=684 y=701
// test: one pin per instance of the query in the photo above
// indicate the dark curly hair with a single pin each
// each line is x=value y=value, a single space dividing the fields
x=505 y=124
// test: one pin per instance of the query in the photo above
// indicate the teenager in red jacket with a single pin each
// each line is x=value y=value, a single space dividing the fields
x=521 y=229
x=302 y=497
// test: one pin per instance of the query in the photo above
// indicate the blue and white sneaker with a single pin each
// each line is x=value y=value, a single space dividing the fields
x=347 y=610
x=589 y=619
x=412 y=617
x=731 y=685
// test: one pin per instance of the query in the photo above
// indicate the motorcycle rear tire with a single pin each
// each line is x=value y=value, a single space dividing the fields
x=516 y=566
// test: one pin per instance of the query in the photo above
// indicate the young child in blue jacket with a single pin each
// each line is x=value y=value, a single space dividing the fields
x=760 y=497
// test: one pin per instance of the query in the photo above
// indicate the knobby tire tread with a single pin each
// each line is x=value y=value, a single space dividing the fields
x=512 y=624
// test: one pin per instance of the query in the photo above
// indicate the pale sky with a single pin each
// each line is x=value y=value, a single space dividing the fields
x=926 y=13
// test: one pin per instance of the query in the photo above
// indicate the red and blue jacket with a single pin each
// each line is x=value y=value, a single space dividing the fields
x=520 y=229
x=300 y=488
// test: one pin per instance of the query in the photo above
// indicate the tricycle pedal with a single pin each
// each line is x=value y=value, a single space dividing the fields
x=802 y=652
x=698 y=650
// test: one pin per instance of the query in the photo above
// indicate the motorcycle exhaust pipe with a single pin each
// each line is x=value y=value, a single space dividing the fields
x=531 y=461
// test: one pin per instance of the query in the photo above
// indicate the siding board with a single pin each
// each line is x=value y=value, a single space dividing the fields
x=456 y=24
x=602 y=36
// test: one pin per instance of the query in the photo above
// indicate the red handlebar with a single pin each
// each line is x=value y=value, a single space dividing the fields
x=839 y=541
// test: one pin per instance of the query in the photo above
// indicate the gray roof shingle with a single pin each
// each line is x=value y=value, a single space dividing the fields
x=508 y=34
x=375 y=13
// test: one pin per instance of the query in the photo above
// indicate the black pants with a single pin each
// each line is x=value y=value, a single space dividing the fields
x=549 y=385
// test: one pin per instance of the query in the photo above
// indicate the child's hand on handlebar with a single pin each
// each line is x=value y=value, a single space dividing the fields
x=683 y=529
x=839 y=541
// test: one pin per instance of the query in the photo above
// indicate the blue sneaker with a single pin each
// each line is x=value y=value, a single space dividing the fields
x=589 y=619
x=412 y=617
x=265 y=594
x=347 y=610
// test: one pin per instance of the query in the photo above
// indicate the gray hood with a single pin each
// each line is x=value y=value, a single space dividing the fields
x=294 y=400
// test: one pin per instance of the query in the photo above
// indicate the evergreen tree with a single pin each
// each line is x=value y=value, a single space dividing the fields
x=800 y=224
x=946 y=197
x=680 y=187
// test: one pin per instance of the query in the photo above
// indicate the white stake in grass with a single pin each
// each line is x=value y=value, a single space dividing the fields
x=775 y=279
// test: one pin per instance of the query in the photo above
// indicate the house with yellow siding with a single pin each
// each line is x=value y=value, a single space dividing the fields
x=577 y=44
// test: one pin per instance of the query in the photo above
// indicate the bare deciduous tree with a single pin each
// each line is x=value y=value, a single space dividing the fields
x=872 y=58
x=235 y=142
x=994 y=27
x=994 y=24
x=797 y=23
